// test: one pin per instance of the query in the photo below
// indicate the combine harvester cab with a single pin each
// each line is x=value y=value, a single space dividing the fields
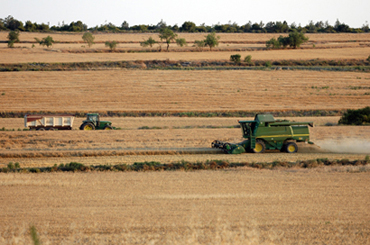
x=266 y=133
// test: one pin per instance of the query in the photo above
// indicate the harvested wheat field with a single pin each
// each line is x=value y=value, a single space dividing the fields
x=321 y=205
x=175 y=140
x=53 y=55
x=207 y=207
x=69 y=47
x=191 y=37
x=163 y=90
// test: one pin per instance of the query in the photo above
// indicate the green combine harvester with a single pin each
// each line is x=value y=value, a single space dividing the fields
x=93 y=122
x=266 y=133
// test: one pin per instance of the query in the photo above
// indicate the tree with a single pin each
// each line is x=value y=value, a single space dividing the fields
x=13 y=24
x=150 y=42
x=125 y=26
x=112 y=45
x=13 y=37
x=46 y=41
x=181 y=42
x=30 y=26
x=167 y=35
x=211 y=40
x=88 y=38
x=188 y=26
x=296 y=39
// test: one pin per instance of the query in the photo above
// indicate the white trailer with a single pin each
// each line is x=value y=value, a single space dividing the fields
x=49 y=122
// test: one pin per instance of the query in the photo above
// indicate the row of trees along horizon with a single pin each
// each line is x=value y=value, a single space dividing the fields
x=12 y=24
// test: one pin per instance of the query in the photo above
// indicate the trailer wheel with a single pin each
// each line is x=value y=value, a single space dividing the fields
x=291 y=147
x=108 y=128
x=260 y=147
x=87 y=126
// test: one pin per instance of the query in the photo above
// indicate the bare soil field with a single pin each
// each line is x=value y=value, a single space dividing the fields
x=163 y=90
x=207 y=207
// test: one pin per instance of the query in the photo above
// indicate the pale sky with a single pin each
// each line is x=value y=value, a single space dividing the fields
x=95 y=12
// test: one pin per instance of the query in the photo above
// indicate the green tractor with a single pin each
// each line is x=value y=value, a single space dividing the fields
x=93 y=122
x=266 y=133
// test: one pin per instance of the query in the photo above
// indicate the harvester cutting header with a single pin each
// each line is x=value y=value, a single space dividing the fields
x=266 y=133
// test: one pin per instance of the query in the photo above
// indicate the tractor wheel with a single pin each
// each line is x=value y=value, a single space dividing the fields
x=260 y=147
x=87 y=126
x=108 y=128
x=41 y=129
x=291 y=147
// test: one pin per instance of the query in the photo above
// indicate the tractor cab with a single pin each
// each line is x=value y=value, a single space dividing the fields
x=93 y=118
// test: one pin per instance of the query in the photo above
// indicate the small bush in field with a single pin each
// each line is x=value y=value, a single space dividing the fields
x=150 y=42
x=46 y=41
x=10 y=165
x=235 y=58
x=16 y=165
x=181 y=42
x=248 y=59
x=199 y=45
x=112 y=45
x=368 y=58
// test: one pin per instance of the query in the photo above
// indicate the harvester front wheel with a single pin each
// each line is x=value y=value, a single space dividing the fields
x=260 y=147
x=291 y=147
x=87 y=126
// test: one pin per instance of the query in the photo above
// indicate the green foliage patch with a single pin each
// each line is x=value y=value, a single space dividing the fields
x=356 y=117
x=186 y=166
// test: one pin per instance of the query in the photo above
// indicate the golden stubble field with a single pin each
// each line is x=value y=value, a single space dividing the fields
x=328 y=46
x=206 y=207
x=163 y=90
x=172 y=139
x=239 y=206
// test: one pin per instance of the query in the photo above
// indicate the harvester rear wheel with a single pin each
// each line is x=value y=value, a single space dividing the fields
x=260 y=147
x=291 y=147
x=87 y=126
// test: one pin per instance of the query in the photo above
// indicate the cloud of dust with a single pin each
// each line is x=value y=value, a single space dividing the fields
x=345 y=145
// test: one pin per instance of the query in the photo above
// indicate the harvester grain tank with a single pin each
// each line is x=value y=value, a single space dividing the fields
x=93 y=122
x=266 y=133
x=49 y=122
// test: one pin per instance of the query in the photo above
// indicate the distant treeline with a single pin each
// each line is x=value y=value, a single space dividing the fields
x=12 y=24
